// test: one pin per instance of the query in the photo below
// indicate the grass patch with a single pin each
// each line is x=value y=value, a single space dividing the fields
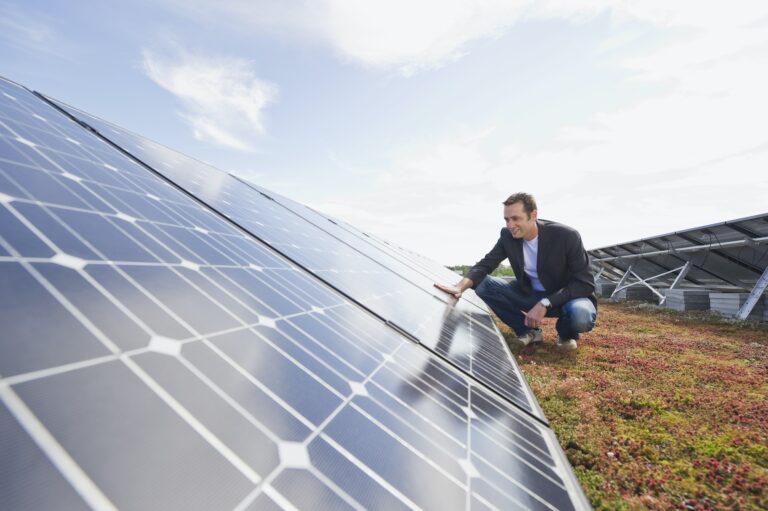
x=659 y=409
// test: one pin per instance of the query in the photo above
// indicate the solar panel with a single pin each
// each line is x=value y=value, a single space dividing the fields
x=403 y=298
x=730 y=255
x=156 y=354
x=380 y=250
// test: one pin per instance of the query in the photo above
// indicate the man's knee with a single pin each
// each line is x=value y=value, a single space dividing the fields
x=582 y=315
x=486 y=288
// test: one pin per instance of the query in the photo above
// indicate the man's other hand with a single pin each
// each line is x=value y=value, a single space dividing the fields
x=451 y=290
x=534 y=316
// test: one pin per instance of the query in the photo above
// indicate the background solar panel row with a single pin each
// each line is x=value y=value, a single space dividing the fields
x=156 y=356
x=341 y=259
x=736 y=258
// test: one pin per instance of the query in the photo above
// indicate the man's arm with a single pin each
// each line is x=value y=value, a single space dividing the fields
x=487 y=264
x=478 y=272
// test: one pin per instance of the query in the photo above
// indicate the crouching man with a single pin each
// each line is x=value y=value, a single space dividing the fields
x=553 y=278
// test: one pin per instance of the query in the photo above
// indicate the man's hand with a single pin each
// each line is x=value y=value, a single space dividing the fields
x=456 y=291
x=534 y=316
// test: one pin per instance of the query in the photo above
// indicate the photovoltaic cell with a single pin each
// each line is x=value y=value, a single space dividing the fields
x=461 y=332
x=156 y=356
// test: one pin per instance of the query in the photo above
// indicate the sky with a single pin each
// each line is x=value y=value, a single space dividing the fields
x=414 y=120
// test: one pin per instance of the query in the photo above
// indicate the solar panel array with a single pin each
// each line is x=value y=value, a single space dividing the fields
x=729 y=255
x=176 y=338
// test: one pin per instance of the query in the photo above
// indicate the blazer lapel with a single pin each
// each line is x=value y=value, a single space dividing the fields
x=517 y=250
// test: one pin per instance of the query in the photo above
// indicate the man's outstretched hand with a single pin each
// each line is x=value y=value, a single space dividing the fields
x=451 y=290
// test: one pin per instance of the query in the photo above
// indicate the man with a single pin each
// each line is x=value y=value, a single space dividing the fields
x=553 y=276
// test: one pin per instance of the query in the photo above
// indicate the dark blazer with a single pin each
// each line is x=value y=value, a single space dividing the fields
x=562 y=263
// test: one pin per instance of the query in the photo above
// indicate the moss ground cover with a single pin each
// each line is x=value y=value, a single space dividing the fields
x=659 y=409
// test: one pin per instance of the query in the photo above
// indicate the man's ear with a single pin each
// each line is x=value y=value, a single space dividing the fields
x=535 y=214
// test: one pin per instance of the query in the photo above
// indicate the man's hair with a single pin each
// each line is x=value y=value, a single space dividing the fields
x=529 y=203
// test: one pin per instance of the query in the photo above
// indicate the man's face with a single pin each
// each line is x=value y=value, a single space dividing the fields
x=518 y=222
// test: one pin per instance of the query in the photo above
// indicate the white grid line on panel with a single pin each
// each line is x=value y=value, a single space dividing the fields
x=88 y=278
x=328 y=350
x=53 y=371
x=336 y=489
x=524 y=488
x=369 y=472
x=54 y=247
x=60 y=458
x=253 y=420
x=277 y=280
x=317 y=431
x=192 y=421
x=532 y=452
x=70 y=307
x=278 y=498
x=73 y=366
x=420 y=416
x=408 y=446
x=468 y=447
x=305 y=350
x=258 y=384
x=440 y=404
x=561 y=464
x=484 y=501
x=438 y=386
x=469 y=439
x=365 y=347
x=229 y=400
x=83 y=183
x=428 y=395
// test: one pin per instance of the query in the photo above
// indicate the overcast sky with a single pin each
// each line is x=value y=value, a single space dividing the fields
x=415 y=119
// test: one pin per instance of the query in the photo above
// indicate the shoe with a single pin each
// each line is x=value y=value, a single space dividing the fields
x=566 y=344
x=529 y=337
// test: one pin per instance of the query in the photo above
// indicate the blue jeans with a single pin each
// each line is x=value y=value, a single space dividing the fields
x=507 y=300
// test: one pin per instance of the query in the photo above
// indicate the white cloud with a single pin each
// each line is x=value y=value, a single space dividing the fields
x=691 y=154
x=401 y=35
x=33 y=31
x=431 y=199
x=223 y=99
x=443 y=200
x=410 y=36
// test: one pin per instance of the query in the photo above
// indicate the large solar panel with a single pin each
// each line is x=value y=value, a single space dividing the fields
x=403 y=298
x=160 y=351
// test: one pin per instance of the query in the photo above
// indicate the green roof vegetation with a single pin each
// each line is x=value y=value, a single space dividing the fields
x=658 y=409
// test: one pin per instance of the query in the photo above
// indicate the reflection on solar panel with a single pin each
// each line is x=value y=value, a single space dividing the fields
x=378 y=249
x=729 y=256
x=402 y=297
x=175 y=339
